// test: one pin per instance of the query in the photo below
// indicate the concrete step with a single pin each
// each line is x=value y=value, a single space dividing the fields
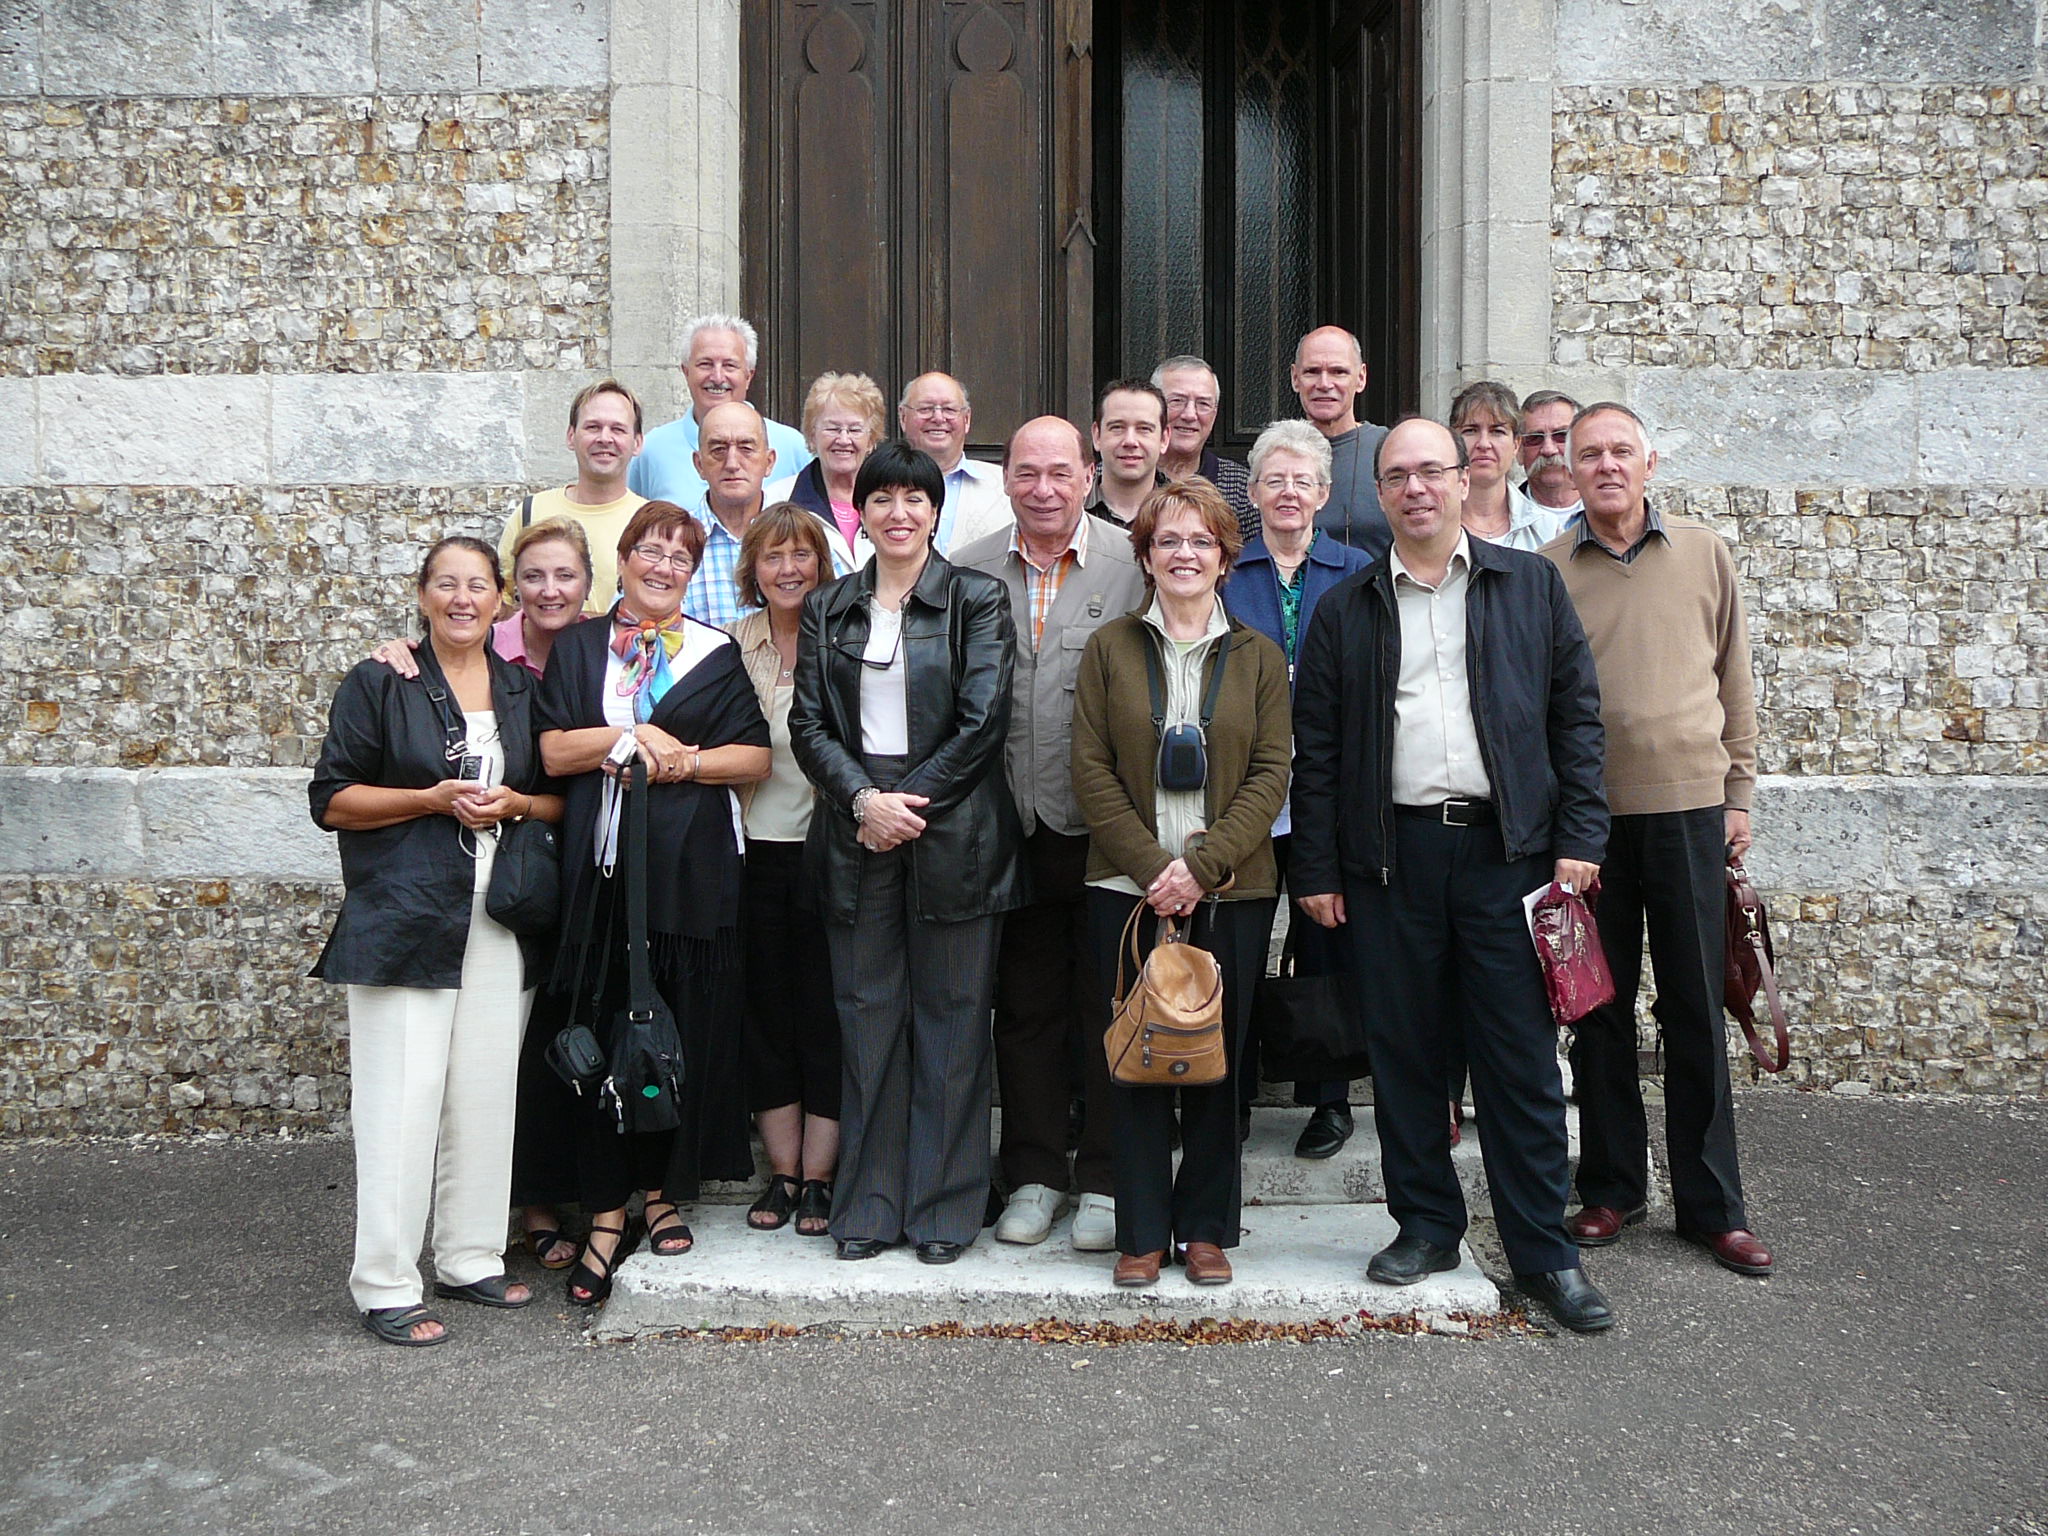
x=1273 y=1175
x=1295 y=1264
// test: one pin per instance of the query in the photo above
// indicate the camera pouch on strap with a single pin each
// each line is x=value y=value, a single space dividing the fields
x=1183 y=749
x=646 y=1052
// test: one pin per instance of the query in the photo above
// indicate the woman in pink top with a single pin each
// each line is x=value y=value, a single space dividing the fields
x=551 y=576
x=843 y=420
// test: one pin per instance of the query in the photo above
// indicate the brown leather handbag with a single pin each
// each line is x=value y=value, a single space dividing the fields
x=1167 y=1031
x=1751 y=964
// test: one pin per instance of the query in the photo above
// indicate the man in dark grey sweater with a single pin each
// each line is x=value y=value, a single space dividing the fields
x=1329 y=375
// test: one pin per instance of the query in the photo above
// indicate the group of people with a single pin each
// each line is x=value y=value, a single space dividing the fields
x=900 y=716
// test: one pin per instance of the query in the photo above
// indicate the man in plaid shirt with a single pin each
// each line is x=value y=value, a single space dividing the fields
x=734 y=458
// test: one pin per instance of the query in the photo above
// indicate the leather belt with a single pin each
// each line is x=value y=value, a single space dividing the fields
x=1453 y=813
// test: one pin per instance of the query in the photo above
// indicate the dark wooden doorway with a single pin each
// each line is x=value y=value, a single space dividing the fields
x=1037 y=195
x=1259 y=169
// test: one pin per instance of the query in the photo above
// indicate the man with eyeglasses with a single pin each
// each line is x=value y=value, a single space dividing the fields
x=719 y=369
x=1129 y=432
x=734 y=459
x=1193 y=398
x=1328 y=377
x=1663 y=609
x=1067 y=575
x=1447 y=751
x=936 y=416
x=1546 y=423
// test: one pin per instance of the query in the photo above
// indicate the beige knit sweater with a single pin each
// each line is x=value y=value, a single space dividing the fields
x=1672 y=649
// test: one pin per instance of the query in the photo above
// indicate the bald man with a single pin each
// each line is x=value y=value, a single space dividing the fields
x=1433 y=787
x=1328 y=376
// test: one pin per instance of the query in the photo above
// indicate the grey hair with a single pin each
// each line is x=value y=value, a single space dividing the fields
x=1603 y=408
x=1178 y=362
x=1293 y=437
x=750 y=338
x=903 y=400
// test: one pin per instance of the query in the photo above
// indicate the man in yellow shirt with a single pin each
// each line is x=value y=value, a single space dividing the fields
x=605 y=433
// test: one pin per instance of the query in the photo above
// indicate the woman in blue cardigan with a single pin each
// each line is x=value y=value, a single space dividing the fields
x=1279 y=579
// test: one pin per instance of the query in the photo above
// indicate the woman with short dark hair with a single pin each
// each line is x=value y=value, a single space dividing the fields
x=651 y=682
x=417 y=775
x=901 y=710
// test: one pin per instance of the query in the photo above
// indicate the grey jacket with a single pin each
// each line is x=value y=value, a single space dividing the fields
x=1038 y=754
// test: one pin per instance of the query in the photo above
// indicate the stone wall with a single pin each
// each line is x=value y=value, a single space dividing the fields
x=1809 y=241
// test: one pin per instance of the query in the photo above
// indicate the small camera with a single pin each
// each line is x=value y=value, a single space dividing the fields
x=469 y=767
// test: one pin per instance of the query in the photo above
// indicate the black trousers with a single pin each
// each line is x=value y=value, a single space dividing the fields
x=1669 y=868
x=1448 y=956
x=1315 y=953
x=1047 y=992
x=791 y=1048
x=914 y=1002
x=1155 y=1205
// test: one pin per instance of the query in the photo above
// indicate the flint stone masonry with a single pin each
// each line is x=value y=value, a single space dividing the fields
x=367 y=234
x=298 y=47
x=236 y=611
x=1883 y=227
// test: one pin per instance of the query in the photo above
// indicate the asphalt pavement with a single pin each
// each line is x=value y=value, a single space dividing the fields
x=181 y=1356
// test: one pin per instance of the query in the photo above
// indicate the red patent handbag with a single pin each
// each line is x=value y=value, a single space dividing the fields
x=1575 y=973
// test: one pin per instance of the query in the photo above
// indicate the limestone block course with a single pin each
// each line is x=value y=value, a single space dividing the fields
x=18 y=456
x=186 y=431
x=398 y=428
x=353 y=233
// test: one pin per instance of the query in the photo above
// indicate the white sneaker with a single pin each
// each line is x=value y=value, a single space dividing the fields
x=1029 y=1216
x=1094 y=1224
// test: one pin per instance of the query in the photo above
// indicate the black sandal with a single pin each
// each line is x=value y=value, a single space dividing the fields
x=540 y=1239
x=394 y=1325
x=599 y=1286
x=776 y=1203
x=671 y=1237
x=814 y=1209
x=491 y=1291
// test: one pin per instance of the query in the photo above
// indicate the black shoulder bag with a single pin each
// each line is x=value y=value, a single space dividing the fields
x=1183 y=749
x=525 y=893
x=646 y=1052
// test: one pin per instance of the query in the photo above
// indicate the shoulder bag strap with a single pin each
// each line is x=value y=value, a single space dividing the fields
x=641 y=999
x=525 y=512
x=1156 y=681
x=1215 y=682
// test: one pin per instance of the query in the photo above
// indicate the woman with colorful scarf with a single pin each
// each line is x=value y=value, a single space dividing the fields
x=679 y=690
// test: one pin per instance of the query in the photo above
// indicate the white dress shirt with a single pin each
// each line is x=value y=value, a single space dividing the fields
x=1436 y=742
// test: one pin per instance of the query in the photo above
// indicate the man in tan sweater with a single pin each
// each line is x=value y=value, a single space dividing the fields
x=1660 y=605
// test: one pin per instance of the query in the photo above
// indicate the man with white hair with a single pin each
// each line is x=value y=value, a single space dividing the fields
x=935 y=415
x=1193 y=398
x=1662 y=611
x=723 y=352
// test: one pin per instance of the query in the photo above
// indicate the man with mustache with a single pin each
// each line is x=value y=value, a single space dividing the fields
x=724 y=350
x=1546 y=418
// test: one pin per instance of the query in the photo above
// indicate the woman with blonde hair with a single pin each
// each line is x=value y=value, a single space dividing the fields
x=843 y=420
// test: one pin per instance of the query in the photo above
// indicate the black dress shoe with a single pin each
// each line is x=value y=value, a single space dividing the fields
x=936 y=1252
x=861 y=1247
x=1408 y=1259
x=1570 y=1298
x=1326 y=1132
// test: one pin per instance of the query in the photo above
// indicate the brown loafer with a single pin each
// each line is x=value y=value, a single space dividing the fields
x=1598 y=1225
x=1205 y=1264
x=1134 y=1270
x=1740 y=1250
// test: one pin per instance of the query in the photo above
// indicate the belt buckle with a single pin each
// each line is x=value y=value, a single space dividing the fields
x=1454 y=812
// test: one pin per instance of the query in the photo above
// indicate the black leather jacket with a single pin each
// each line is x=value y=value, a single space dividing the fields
x=1535 y=701
x=958 y=644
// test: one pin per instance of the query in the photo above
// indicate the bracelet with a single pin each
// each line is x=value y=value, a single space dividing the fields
x=861 y=797
x=696 y=764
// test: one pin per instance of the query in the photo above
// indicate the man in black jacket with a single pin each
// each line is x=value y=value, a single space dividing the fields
x=1447 y=761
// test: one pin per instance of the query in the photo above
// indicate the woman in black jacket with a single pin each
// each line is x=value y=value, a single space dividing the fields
x=651 y=681
x=416 y=775
x=901 y=709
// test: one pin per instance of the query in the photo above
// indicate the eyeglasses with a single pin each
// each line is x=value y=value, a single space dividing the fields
x=1431 y=475
x=654 y=554
x=938 y=412
x=1173 y=543
x=1537 y=439
x=1203 y=404
x=1305 y=484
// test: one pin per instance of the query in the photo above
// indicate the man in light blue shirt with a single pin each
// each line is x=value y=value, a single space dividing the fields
x=935 y=416
x=719 y=368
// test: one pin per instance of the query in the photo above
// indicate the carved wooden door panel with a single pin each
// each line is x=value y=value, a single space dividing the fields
x=917 y=192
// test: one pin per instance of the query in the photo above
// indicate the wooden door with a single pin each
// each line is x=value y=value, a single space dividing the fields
x=917 y=197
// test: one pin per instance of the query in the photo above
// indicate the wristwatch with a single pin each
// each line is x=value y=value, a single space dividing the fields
x=861 y=797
